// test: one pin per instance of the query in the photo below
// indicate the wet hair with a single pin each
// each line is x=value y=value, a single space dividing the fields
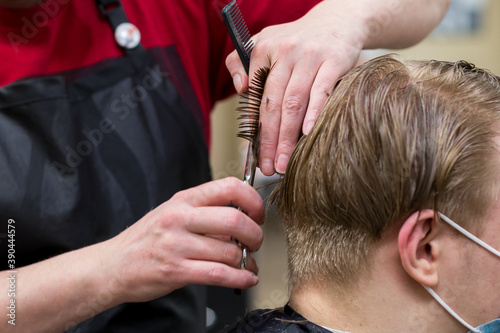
x=393 y=138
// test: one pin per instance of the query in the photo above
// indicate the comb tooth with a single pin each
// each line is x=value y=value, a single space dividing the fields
x=244 y=30
x=250 y=103
x=235 y=8
x=237 y=16
x=241 y=28
x=238 y=29
x=248 y=119
x=248 y=125
x=251 y=116
x=248 y=115
x=238 y=22
x=249 y=51
x=237 y=25
x=245 y=40
x=245 y=37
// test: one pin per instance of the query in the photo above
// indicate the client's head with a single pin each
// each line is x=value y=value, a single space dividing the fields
x=397 y=145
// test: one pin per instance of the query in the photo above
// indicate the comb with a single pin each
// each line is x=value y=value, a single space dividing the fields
x=238 y=31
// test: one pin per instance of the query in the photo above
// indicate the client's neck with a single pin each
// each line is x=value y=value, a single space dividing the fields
x=351 y=311
x=381 y=302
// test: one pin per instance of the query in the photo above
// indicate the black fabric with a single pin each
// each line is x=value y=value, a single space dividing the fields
x=83 y=156
x=86 y=153
x=113 y=11
x=273 y=321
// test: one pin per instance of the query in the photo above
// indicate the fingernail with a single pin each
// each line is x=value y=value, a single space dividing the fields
x=237 y=83
x=282 y=163
x=309 y=126
x=267 y=166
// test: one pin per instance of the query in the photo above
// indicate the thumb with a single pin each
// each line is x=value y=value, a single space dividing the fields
x=237 y=71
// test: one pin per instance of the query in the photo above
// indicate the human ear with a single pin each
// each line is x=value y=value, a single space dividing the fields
x=418 y=247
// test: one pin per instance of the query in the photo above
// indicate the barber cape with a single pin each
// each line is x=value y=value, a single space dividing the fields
x=276 y=320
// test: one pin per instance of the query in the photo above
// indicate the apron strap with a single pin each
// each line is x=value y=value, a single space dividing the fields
x=127 y=36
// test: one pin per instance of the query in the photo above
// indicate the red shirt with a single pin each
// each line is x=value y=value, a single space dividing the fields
x=61 y=35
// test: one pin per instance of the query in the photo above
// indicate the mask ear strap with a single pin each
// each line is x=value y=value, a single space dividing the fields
x=450 y=311
x=469 y=235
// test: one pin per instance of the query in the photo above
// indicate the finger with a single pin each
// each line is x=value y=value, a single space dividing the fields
x=217 y=274
x=237 y=71
x=325 y=80
x=225 y=252
x=251 y=263
x=226 y=221
x=225 y=238
x=294 y=108
x=224 y=192
x=270 y=115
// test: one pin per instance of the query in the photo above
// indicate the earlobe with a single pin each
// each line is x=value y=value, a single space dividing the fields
x=418 y=247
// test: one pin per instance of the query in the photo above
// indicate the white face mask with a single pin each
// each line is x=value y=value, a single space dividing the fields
x=490 y=327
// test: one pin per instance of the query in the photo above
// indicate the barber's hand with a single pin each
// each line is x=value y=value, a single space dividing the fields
x=310 y=54
x=186 y=240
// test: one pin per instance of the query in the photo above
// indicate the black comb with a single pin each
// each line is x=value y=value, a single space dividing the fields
x=238 y=31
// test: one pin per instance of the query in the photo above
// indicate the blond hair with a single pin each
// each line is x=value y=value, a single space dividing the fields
x=394 y=138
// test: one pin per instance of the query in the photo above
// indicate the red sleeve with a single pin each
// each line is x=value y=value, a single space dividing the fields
x=257 y=15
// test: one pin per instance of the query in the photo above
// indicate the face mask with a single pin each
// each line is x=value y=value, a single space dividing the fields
x=490 y=327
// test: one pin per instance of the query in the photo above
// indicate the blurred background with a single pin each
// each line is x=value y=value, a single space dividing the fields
x=470 y=31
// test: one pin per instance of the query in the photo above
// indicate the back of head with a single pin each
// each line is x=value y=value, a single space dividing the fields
x=394 y=138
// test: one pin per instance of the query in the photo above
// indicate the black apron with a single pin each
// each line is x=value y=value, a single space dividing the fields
x=86 y=153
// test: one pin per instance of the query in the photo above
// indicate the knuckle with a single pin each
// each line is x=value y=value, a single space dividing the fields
x=288 y=45
x=172 y=215
x=266 y=145
x=179 y=196
x=217 y=275
x=270 y=106
x=233 y=219
x=231 y=185
x=230 y=253
x=266 y=32
x=169 y=269
x=312 y=50
x=292 y=105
